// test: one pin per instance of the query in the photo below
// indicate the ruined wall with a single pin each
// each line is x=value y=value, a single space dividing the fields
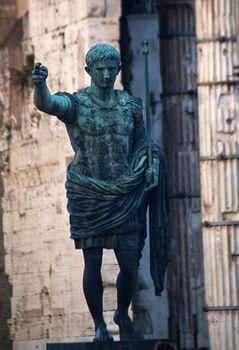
x=10 y=104
x=5 y=285
x=40 y=270
x=218 y=105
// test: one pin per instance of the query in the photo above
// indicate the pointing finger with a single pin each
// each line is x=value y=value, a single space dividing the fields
x=37 y=65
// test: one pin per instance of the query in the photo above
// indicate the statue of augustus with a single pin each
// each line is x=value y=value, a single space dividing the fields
x=108 y=182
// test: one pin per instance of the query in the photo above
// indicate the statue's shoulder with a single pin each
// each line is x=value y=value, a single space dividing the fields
x=83 y=98
x=125 y=98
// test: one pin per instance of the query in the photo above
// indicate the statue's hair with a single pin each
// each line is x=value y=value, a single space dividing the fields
x=101 y=52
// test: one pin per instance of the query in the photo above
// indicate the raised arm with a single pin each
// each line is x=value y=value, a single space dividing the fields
x=43 y=99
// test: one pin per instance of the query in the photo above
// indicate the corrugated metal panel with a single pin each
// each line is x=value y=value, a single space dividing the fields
x=187 y=322
x=219 y=166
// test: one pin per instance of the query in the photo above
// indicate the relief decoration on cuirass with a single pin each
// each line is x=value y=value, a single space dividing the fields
x=103 y=136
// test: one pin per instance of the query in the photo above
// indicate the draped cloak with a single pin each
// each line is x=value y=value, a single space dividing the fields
x=101 y=206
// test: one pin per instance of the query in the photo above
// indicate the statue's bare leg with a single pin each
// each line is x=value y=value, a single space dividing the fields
x=93 y=290
x=126 y=284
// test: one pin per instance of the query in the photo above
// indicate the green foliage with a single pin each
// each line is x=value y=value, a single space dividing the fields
x=23 y=77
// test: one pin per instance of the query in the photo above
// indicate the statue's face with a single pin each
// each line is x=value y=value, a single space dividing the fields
x=104 y=73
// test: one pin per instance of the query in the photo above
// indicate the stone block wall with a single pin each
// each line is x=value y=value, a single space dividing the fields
x=40 y=270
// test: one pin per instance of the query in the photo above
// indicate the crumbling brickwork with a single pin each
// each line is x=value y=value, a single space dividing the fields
x=5 y=285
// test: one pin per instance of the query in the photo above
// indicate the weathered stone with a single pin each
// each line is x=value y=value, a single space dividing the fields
x=118 y=345
x=112 y=7
x=95 y=8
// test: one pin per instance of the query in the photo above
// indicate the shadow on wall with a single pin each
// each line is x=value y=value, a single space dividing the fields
x=10 y=40
x=5 y=287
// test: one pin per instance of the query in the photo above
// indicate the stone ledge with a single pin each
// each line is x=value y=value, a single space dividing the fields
x=116 y=345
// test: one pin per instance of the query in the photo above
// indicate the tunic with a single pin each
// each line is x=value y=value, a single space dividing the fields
x=106 y=180
x=105 y=141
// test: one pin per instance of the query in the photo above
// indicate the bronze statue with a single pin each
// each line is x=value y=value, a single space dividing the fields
x=109 y=182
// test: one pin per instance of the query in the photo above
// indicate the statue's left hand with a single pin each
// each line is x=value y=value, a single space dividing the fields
x=151 y=175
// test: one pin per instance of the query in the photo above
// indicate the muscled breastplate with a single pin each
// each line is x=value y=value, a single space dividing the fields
x=103 y=138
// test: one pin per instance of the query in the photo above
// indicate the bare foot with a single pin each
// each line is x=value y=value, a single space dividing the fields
x=101 y=334
x=126 y=327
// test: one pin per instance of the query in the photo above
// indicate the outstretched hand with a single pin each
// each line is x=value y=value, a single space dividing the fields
x=39 y=74
x=151 y=175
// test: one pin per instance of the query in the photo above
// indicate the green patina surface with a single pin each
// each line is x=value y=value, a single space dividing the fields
x=109 y=184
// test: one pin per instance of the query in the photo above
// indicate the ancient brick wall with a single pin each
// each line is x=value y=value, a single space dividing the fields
x=5 y=285
x=41 y=272
x=218 y=106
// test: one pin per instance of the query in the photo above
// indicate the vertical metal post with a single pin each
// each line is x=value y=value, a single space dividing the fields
x=145 y=52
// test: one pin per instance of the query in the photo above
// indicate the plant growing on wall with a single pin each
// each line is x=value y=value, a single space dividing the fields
x=23 y=77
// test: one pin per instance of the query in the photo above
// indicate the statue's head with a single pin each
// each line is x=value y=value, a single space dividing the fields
x=103 y=64
x=100 y=53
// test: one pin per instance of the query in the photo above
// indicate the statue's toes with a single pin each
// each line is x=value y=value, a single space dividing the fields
x=102 y=335
x=126 y=328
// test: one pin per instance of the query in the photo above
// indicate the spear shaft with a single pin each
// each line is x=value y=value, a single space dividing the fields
x=145 y=51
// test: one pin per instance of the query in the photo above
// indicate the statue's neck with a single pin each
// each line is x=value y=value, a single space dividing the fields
x=104 y=95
